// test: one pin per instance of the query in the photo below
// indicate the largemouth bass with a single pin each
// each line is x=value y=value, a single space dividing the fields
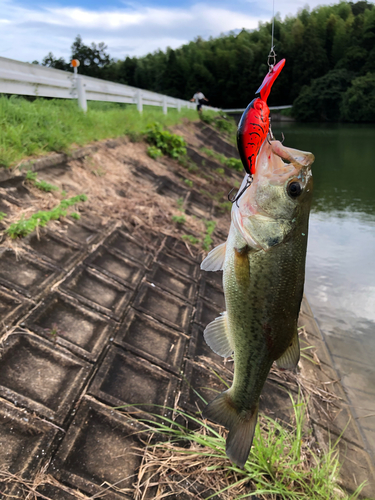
x=263 y=261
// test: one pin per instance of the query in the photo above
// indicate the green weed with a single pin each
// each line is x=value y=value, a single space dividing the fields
x=225 y=206
x=190 y=238
x=189 y=183
x=154 y=152
x=193 y=168
x=2 y=215
x=42 y=185
x=75 y=215
x=220 y=171
x=179 y=219
x=167 y=143
x=228 y=126
x=23 y=227
x=232 y=163
x=210 y=228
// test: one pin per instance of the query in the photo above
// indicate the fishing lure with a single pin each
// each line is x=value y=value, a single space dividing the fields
x=255 y=122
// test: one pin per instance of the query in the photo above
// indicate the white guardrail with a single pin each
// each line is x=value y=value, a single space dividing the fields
x=35 y=80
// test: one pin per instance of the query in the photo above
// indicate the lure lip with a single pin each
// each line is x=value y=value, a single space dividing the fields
x=269 y=79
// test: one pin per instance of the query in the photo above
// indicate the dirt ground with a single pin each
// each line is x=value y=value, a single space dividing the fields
x=109 y=310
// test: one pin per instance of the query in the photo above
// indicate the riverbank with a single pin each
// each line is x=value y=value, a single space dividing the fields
x=106 y=307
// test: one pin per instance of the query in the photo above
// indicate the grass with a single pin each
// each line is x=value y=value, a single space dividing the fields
x=190 y=238
x=284 y=463
x=42 y=185
x=164 y=142
x=222 y=122
x=23 y=227
x=210 y=228
x=38 y=127
x=232 y=163
x=179 y=219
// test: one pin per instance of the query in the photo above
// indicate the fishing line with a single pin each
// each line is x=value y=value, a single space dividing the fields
x=271 y=61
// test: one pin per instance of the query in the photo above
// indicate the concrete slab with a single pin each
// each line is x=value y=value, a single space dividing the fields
x=16 y=188
x=151 y=340
x=214 y=277
x=64 y=321
x=212 y=293
x=98 y=291
x=54 y=249
x=12 y=307
x=129 y=246
x=198 y=205
x=166 y=187
x=26 y=274
x=39 y=376
x=100 y=453
x=179 y=264
x=53 y=492
x=125 y=379
x=164 y=307
x=81 y=234
x=198 y=347
x=115 y=266
x=199 y=387
x=172 y=282
x=206 y=312
x=25 y=443
x=356 y=466
x=176 y=246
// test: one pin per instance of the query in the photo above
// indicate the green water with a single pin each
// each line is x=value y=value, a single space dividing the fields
x=340 y=265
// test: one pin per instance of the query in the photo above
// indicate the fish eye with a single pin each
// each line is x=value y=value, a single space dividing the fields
x=294 y=189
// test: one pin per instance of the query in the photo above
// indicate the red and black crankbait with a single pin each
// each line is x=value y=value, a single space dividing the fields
x=255 y=123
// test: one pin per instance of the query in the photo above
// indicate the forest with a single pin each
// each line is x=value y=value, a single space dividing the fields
x=329 y=73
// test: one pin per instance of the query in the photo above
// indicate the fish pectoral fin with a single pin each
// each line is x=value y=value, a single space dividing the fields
x=289 y=360
x=215 y=259
x=241 y=428
x=216 y=336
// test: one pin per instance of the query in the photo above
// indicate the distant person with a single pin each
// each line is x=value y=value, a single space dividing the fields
x=199 y=99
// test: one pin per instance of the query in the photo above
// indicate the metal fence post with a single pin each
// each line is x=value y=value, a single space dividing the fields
x=165 y=108
x=82 y=102
x=139 y=101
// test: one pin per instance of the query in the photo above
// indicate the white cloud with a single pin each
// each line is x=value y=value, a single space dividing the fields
x=30 y=33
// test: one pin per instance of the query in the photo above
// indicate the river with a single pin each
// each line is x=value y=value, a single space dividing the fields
x=340 y=265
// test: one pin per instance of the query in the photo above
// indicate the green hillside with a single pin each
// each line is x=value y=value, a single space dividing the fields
x=329 y=74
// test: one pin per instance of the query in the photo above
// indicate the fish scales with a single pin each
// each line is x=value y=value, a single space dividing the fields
x=264 y=267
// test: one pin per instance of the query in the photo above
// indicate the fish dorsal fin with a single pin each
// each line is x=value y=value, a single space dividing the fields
x=215 y=259
x=289 y=360
x=216 y=336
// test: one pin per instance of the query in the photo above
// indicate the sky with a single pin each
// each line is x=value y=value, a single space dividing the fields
x=30 y=29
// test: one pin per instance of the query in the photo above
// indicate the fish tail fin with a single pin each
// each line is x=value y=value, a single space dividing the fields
x=241 y=428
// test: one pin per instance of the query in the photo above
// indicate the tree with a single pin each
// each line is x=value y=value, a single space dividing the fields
x=358 y=104
x=323 y=98
x=51 y=62
x=92 y=59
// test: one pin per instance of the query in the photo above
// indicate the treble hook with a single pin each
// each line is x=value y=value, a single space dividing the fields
x=238 y=196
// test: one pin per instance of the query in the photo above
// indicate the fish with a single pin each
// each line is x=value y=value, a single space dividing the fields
x=255 y=121
x=263 y=263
